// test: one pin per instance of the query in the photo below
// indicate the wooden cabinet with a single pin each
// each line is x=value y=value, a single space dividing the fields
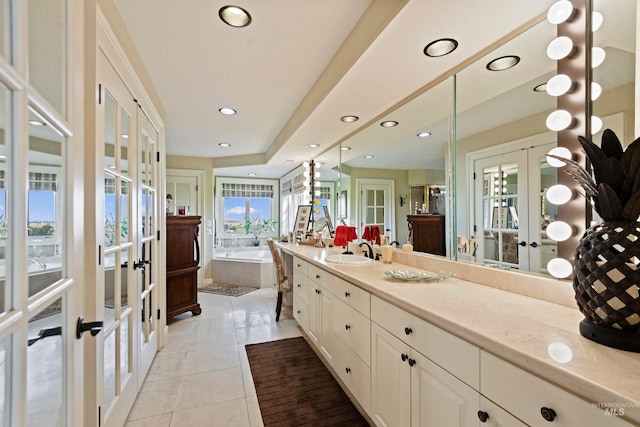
x=428 y=233
x=183 y=257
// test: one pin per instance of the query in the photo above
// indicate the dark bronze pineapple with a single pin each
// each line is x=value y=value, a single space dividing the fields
x=606 y=275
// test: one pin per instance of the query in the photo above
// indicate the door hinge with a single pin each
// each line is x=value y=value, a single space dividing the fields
x=99 y=254
x=158 y=156
x=197 y=186
x=475 y=228
x=99 y=93
x=158 y=234
x=99 y=416
x=158 y=314
x=474 y=175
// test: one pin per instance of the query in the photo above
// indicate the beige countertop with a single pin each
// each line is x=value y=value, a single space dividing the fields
x=537 y=335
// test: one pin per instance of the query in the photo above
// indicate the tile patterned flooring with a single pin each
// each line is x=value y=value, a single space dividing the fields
x=202 y=376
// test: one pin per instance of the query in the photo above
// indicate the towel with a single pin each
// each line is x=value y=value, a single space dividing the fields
x=372 y=234
x=344 y=235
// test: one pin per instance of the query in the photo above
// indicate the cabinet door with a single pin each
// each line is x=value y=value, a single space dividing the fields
x=301 y=312
x=438 y=398
x=390 y=379
x=326 y=323
x=315 y=313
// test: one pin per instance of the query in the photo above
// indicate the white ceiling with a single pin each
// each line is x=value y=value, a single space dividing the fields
x=298 y=68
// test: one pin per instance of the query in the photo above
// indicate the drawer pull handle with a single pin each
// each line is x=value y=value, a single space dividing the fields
x=548 y=414
x=347 y=294
x=348 y=370
x=407 y=331
x=483 y=416
x=299 y=266
x=412 y=362
x=299 y=285
x=404 y=357
x=299 y=312
x=317 y=276
x=347 y=327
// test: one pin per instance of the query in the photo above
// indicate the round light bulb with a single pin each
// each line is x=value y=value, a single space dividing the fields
x=305 y=174
x=560 y=152
x=316 y=184
x=316 y=193
x=597 y=56
x=316 y=174
x=318 y=165
x=559 y=194
x=560 y=268
x=559 y=48
x=305 y=164
x=559 y=231
x=596 y=91
x=559 y=85
x=596 y=21
x=559 y=120
x=596 y=124
x=560 y=12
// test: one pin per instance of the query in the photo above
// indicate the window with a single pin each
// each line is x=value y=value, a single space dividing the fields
x=252 y=199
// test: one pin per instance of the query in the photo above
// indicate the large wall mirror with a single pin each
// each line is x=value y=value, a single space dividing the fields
x=500 y=217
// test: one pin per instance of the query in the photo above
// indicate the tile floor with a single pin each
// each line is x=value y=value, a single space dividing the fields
x=202 y=376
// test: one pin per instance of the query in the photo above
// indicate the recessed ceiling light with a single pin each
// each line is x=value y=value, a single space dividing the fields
x=251 y=174
x=389 y=124
x=227 y=111
x=36 y=123
x=313 y=145
x=503 y=63
x=349 y=119
x=234 y=16
x=424 y=134
x=345 y=148
x=224 y=144
x=440 y=47
x=369 y=156
x=542 y=87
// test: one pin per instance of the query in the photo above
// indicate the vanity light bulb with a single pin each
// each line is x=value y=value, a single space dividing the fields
x=305 y=174
x=559 y=231
x=316 y=184
x=316 y=175
x=596 y=21
x=318 y=165
x=596 y=91
x=559 y=85
x=559 y=48
x=504 y=182
x=559 y=268
x=305 y=164
x=597 y=56
x=559 y=194
x=559 y=120
x=560 y=152
x=495 y=205
x=560 y=12
x=596 y=124
x=316 y=193
x=497 y=175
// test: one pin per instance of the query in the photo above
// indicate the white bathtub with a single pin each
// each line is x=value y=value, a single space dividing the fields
x=245 y=266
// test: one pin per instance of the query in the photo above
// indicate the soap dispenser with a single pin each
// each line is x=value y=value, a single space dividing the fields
x=407 y=247
x=387 y=250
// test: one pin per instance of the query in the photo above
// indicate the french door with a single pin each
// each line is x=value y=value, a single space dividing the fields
x=376 y=205
x=41 y=246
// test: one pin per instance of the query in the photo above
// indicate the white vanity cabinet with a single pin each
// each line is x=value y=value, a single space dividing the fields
x=537 y=402
x=417 y=372
x=320 y=310
x=301 y=293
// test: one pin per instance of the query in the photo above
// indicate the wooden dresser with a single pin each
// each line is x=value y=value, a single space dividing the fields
x=183 y=257
x=428 y=233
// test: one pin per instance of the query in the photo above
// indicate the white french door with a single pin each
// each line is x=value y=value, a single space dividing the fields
x=376 y=205
x=41 y=157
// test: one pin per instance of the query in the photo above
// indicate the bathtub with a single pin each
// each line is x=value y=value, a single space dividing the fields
x=245 y=266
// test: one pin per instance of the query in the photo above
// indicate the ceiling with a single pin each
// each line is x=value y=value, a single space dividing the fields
x=297 y=68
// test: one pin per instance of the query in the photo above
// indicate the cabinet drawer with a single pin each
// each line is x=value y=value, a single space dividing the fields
x=353 y=373
x=525 y=395
x=455 y=355
x=301 y=286
x=301 y=312
x=300 y=265
x=352 y=295
x=354 y=329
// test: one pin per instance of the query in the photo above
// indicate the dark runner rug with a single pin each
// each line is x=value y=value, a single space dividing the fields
x=228 y=290
x=294 y=387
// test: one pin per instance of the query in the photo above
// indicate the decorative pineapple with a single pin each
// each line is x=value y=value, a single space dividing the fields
x=606 y=268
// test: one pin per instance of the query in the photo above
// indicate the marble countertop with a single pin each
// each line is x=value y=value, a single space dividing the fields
x=539 y=336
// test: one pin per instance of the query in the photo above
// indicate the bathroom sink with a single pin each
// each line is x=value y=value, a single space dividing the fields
x=347 y=259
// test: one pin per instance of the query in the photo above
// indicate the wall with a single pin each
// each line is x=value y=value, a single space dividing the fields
x=204 y=165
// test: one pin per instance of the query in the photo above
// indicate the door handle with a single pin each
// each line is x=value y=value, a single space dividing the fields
x=93 y=327
x=140 y=264
x=533 y=244
x=49 y=332
x=523 y=243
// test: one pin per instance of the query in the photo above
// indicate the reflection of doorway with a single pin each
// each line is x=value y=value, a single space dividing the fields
x=510 y=211
x=184 y=186
x=376 y=205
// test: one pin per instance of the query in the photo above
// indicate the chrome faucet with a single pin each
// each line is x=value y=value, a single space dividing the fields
x=370 y=254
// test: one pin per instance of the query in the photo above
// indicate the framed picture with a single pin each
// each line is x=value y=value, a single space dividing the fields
x=302 y=221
